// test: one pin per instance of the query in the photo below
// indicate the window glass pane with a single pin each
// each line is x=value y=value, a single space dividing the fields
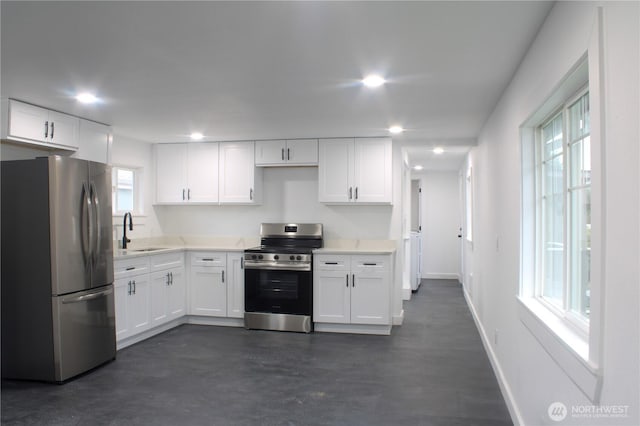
x=552 y=137
x=553 y=248
x=580 y=240
x=581 y=163
x=125 y=199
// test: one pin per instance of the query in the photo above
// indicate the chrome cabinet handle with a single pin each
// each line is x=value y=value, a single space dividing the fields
x=353 y=280
x=134 y=286
x=171 y=273
x=168 y=280
x=52 y=129
x=347 y=280
x=189 y=194
x=129 y=291
x=356 y=192
x=223 y=276
x=251 y=194
x=282 y=154
x=288 y=154
x=350 y=192
x=46 y=129
x=182 y=194
x=242 y=263
x=369 y=264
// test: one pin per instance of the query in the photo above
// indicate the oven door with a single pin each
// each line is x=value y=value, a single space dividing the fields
x=278 y=291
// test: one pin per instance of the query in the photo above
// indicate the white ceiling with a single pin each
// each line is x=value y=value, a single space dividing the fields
x=262 y=70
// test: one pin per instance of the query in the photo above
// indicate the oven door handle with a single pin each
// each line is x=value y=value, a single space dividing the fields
x=276 y=266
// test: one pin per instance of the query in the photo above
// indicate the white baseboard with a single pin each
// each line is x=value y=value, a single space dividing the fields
x=441 y=276
x=398 y=319
x=406 y=294
x=512 y=406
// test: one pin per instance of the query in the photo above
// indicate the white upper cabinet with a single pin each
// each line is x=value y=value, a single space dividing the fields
x=35 y=125
x=187 y=173
x=355 y=171
x=94 y=142
x=202 y=172
x=372 y=171
x=238 y=175
x=295 y=152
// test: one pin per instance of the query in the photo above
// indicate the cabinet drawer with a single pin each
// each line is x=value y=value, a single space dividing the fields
x=370 y=263
x=208 y=259
x=130 y=267
x=166 y=261
x=331 y=263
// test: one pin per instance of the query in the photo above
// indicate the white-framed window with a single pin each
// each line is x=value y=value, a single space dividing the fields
x=126 y=190
x=563 y=211
x=562 y=207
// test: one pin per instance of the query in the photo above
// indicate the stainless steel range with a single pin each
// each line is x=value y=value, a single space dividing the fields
x=278 y=277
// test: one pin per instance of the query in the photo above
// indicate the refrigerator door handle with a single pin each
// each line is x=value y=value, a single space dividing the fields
x=96 y=223
x=84 y=298
x=85 y=224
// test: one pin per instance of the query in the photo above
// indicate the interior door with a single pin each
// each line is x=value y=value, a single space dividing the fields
x=102 y=244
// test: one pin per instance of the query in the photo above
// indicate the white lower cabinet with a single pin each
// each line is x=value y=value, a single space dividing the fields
x=352 y=290
x=216 y=284
x=132 y=304
x=149 y=292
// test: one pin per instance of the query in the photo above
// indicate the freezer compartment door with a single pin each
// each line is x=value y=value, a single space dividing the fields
x=84 y=331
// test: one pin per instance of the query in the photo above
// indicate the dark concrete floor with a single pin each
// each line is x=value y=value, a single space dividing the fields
x=431 y=371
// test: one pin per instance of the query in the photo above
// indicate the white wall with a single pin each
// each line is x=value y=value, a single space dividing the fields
x=440 y=224
x=132 y=153
x=531 y=378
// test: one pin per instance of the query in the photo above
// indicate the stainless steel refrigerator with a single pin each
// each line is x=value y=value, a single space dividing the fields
x=58 y=317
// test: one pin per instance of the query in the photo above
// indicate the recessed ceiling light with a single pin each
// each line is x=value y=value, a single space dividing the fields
x=438 y=150
x=396 y=129
x=418 y=167
x=197 y=136
x=373 y=80
x=87 y=98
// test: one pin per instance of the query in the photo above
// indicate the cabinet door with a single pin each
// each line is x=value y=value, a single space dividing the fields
x=94 y=142
x=171 y=163
x=269 y=153
x=28 y=121
x=237 y=172
x=138 y=306
x=235 y=285
x=202 y=172
x=158 y=295
x=331 y=296
x=372 y=171
x=176 y=297
x=208 y=291
x=63 y=129
x=303 y=152
x=335 y=171
x=121 y=302
x=370 y=290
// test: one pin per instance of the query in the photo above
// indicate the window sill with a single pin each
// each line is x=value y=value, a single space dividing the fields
x=567 y=348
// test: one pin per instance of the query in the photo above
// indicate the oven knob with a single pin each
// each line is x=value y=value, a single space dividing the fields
x=298 y=257
x=254 y=257
x=260 y=256
x=276 y=257
x=292 y=257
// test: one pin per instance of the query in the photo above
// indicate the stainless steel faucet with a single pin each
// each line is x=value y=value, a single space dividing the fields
x=126 y=240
